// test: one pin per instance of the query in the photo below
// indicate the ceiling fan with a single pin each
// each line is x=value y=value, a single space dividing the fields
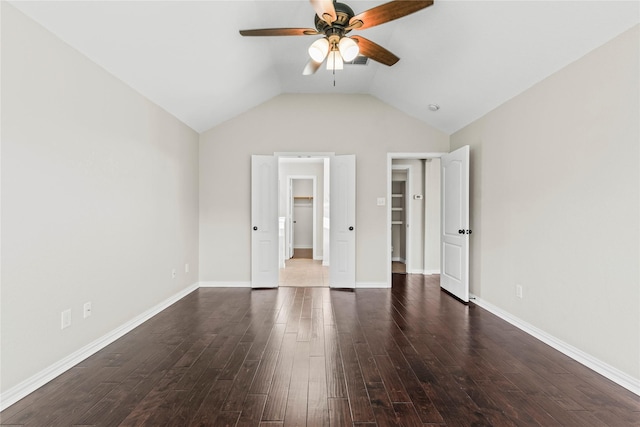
x=335 y=20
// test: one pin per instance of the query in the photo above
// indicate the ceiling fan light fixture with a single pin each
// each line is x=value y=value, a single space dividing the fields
x=334 y=61
x=348 y=49
x=319 y=49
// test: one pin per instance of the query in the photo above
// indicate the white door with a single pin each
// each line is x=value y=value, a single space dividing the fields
x=264 y=221
x=454 y=276
x=291 y=220
x=342 y=269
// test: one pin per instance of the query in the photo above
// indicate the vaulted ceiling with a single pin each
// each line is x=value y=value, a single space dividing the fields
x=466 y=56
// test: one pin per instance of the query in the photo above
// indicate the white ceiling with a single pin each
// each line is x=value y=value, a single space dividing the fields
x=467 y=56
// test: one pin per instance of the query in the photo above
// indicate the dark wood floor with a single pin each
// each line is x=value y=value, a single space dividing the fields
x=410 y=356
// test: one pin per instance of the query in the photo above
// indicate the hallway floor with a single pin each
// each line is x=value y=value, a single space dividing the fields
x=304 y=272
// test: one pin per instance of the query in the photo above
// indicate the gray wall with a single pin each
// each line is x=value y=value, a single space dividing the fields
x=555 y=191
x=99 y=200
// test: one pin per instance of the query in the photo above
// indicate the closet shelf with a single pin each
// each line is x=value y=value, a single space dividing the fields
x=397 y=195
x=303 y=197
x=397 y=209
x=396 y=223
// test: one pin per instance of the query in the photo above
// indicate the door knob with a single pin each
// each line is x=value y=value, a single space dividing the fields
x=255 y=228
x=460 y=231
x=351 y=228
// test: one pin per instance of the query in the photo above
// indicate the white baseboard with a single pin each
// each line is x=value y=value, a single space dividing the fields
x=218 y=284
x=33 y=383
x=424 y=272
x=399 y=259
x=372 y=285
x=627 y=381
x=317 y=258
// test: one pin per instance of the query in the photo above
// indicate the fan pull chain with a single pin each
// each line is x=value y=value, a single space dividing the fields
x=334 y=70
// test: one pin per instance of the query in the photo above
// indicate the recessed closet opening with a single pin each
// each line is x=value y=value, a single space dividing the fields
x=413 y=214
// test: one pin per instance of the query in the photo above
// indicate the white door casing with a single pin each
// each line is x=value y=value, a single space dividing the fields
x=454 y=277
x=264 y=221
x=342 y=268
x=290 y=219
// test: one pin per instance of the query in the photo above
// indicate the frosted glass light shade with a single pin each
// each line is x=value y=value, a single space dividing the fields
x=319 y=49
x=348 y=49
x=334 y=61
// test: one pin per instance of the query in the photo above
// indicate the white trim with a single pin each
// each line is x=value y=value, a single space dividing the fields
x=317 y=258
x=617 y=376
x=414 y=156
x=36 y=381
x=304 y=154
x=399 y=259
x=424 y=272
x=372 y=285
x=224 y=284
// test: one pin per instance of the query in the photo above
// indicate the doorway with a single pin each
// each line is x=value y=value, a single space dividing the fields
x=303 y=190
x=400 y=218
x=301 y=217
x=413 y=191
x=268 y=248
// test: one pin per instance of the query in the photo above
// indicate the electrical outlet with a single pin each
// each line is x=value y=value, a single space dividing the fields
x=186 y=268
x=86 y=312
x=173 y=273
x=519 y=291
x=381 y=201
x=66 y=319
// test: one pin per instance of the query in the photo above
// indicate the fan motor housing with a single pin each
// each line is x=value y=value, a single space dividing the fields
x=343 y=15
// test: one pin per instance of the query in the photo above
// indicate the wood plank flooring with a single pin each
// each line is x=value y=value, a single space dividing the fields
x=410 y=356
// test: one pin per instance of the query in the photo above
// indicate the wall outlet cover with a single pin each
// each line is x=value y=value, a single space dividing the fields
x=382 y=201
x=66 y=319
x=86 y=311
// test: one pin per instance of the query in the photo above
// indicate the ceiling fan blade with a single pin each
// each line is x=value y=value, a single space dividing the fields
x=386 y=12
x=375 y=51
x=280 y=32
x=311 y=67
x=325 y=10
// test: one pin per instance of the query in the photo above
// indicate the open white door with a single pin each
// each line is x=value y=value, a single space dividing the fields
x=342 y=269
x=264 y=221
x=290 y=219
x=454 y=276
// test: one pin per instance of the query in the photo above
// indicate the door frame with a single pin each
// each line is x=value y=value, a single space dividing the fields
x=289 y=213
x=390 y=158
x=407 y=212
x=279 y=155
